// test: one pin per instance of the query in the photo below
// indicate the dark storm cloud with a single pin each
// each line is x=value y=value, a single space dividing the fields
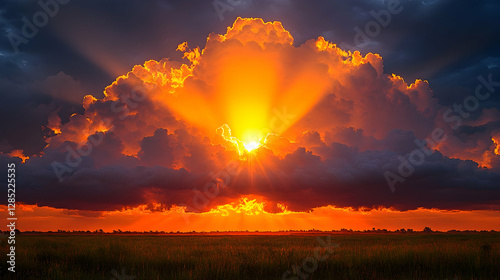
x=301 y=180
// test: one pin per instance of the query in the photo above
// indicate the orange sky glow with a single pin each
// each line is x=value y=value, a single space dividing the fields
x=248 y=214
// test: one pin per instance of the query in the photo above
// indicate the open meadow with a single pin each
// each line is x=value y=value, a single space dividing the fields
x=301 y=256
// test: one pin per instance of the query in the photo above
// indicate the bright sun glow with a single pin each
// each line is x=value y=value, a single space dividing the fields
x=249 y=88
x=251 y=146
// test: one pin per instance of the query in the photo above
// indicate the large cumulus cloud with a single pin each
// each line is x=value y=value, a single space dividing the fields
x=153 y=137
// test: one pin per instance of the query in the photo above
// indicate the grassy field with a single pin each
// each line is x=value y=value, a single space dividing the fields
x=357 y=256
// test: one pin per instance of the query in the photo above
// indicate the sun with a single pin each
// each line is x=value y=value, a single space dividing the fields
x=251 y=146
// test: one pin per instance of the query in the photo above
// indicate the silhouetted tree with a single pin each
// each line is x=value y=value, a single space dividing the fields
x=427 y=230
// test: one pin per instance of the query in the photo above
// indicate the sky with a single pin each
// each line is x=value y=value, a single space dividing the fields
x=251 y=115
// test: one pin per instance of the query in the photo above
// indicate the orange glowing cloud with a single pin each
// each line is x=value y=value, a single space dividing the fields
x=19 y=154
x=255 y=81
x=496 y=141
x=241 y=79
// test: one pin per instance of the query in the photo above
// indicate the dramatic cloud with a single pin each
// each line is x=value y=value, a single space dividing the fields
x=327 y=125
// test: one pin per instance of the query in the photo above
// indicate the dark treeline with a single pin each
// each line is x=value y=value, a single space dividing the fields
x=343 y=230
